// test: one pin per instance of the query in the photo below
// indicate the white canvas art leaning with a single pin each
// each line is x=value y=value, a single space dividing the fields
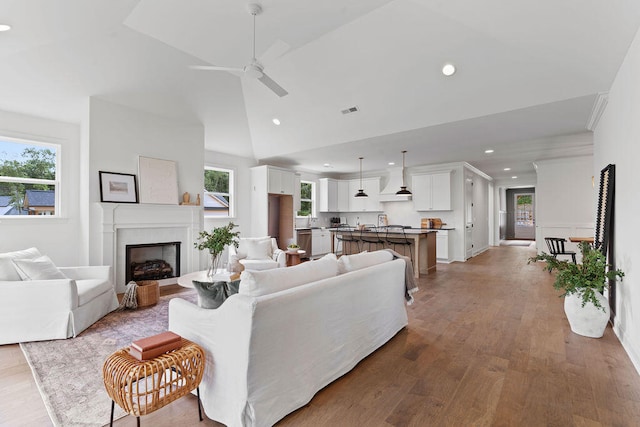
x=158 y=181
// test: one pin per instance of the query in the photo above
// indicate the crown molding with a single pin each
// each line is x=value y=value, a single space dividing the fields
x=599 y=106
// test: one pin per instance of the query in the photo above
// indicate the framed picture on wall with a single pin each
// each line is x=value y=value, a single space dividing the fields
x=118 y=187
x=158 y=181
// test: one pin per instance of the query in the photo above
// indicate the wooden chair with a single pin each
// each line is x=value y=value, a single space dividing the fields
x=395 y=236
x=556 y=247
x=372 y=237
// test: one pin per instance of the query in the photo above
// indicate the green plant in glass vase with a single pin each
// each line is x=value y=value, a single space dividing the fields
x=586 y=280
x=215 y=242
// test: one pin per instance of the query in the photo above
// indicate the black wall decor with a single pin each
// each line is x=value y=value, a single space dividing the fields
x=603 y=239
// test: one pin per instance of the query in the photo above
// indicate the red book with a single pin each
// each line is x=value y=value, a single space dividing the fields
x=153 y=346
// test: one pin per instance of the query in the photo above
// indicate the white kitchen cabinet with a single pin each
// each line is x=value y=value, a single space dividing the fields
x=335 y=195
x=272 y=202
x=328 y=195
x=280 y=181
x=320 y=242
x=432 y=192
x=443 y=245
x=371 y=187
x=297 y=202
x=343 y=196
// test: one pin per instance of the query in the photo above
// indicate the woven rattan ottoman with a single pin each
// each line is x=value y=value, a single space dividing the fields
x=141 y=387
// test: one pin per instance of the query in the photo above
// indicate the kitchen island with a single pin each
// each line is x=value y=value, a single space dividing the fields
x=424 y=240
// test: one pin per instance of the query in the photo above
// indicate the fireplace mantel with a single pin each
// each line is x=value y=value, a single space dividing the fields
x=124 y=223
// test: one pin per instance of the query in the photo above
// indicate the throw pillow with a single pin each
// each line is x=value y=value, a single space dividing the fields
x=244 y=243
x=7 y=270
x=41 y=268
x=257 y=283
x=259 y=249
x=213 y=294
x=348 y=263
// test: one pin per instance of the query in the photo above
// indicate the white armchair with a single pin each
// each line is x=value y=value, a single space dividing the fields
x=256 y=253
x=41 y=302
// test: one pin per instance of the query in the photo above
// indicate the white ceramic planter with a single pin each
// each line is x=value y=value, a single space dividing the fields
x=587 y=321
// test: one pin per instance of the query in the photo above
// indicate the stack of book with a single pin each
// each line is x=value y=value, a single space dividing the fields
x=154 y=346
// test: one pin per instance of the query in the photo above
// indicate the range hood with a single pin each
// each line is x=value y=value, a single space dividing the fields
x=388 y=194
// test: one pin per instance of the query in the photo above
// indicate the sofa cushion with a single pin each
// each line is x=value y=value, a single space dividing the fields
x=348 y=263
x=259 y=249
x=88 y=289
x=258 y=264
x=256 y=283
x=7 y=269
x=41 y=268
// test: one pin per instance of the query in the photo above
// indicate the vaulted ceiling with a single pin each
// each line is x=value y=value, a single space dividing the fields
x=528 y=74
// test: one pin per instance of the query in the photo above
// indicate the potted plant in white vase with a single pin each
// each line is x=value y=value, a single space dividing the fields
x=583 y=284
x=215 y=242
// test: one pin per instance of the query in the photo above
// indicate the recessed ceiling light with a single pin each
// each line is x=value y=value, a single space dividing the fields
x=448 y=70
x=488 y=151
x=327 y=165
x=5 y=27
x=391 y=163
x=276 y=121
x=514 y=177
x=507 y=169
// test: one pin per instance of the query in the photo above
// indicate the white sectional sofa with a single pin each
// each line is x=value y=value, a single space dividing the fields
x=39 y=301
x=291 y=331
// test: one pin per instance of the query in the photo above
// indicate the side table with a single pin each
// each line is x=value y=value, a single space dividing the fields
x=143 y=386
x=293 y=257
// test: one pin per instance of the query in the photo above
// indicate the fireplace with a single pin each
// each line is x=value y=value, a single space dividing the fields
x=152 y=261
x=125 y=224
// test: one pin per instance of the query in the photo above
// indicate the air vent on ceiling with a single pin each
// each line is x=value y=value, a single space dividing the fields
x=350 y=110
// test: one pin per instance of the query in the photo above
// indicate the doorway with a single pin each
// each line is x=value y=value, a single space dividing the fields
x=524 y=227
x=521 y=221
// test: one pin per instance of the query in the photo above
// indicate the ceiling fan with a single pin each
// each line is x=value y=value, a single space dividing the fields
x=254 y=69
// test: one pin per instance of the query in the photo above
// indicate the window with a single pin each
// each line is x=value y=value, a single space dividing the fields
x=307 y=195
x=218 y=192
x=29 y=178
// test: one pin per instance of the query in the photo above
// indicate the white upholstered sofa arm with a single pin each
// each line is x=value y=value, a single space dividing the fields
x=56 y=295
x=101 y=272
x=280 y=257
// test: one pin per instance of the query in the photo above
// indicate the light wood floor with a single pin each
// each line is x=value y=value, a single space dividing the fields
x=487 y=345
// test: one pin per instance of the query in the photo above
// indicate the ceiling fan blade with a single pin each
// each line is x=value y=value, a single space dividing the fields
x=214 y=68
x=275 y=87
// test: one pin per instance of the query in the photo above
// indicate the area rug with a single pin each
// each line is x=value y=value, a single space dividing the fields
x=69 y=372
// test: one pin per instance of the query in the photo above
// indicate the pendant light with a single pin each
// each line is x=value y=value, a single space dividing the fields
x=361 y=192
x=403 y=189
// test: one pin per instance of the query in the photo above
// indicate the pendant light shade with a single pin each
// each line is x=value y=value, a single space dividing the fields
x=361 y=192
x=403 y=188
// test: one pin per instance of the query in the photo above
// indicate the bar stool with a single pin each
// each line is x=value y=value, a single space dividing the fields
x=395 y=236
x=345 y=235
x=372 y=237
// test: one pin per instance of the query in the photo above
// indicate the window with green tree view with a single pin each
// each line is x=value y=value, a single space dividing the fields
x=218 y=192
x=28 y=178
x=306 y=198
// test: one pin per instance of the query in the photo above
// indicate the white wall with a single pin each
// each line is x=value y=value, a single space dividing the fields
x=57 y=237
x=565 y=199
x=118 y=135
x=616 y=140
